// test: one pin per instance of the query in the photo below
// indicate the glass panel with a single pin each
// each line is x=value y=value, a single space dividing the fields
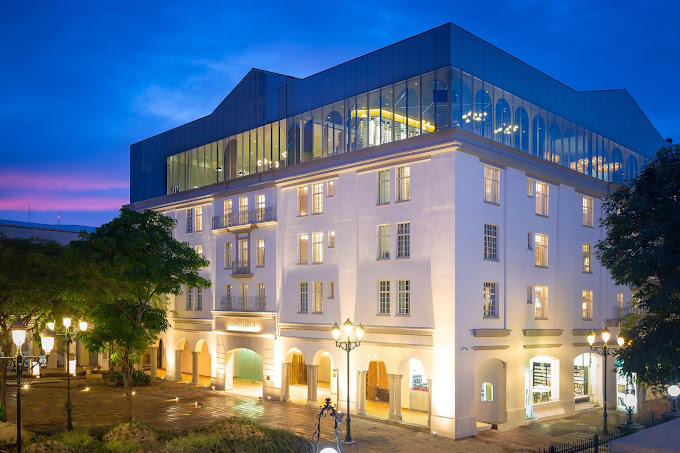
x=318 y=149
x=413 y=106
x=386 y=114
x=267 y=162
x=400 y=110
x=276 y=153
x=239 y=155
x=338 y=131
x=427 y=101
x=350 y=124
x=461 y=105
x=374 y=118
x=307 y=137
x=441 y=98
x=481 y=116
x=362 y=121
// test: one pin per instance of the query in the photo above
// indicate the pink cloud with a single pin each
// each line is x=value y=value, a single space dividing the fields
x=58 y=181
x=40 y=203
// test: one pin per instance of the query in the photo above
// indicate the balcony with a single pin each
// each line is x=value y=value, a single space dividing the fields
x=243 y=303
x=244 y=220
x=241 y=269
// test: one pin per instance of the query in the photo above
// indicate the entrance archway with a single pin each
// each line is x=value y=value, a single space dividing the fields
x=377 y=389
x=414 y=392
x=326 y=379
x=490 y=392
x=204 y=363
x=243 y=372
x=185 y=361
x=587 y=378
x=297 y=376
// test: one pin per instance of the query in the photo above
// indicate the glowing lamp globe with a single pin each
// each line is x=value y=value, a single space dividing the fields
x=360 y=331
x=50 y=325
x=47 y=343
x=619 y=340
x=18 y=333
x=674 y=391
x=328 y=450
x=67 y=322
x=83 y=325
x=348 y=327
x=630 y=400
x=336 y=331
x=606 y=334
x=591 y=338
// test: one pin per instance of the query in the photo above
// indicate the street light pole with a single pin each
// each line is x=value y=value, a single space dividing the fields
x=348 y=346
x=605 y=351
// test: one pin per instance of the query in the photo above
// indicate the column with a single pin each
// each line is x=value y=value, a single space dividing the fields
x=311 y=385
x=178 y=365
x=153 y=355
x=361 y=392
x=395 y=396
x=429 y=402
x=194 y=367
x=285 y=381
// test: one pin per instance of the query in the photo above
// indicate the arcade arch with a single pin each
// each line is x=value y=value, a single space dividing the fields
x=490 y=391
x=244 y=372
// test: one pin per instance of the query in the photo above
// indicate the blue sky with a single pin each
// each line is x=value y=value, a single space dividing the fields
x=81 y=81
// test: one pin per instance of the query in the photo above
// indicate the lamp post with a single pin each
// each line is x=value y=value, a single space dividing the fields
x=348 y=345
x=68 y=333
x=19 y=362
x=673 y=391
x=605 y=351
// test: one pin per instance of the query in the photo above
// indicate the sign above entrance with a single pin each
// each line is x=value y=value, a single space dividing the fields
x=244 y=325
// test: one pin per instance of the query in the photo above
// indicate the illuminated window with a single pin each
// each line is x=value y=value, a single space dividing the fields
x=542 y=198
x=242 y=253
x=261 y=297
x=586 y=258
x=261 y=208
x=403 y=183
x=487 y=391
x=619 y=300
x=199 y=250
x=329 y=188
x=492 y=180
x=383 y=242
x=490 y=241
x=318 y=297
x=403 y=240
x=227 y=302
x=331 y=290
x=541 y=242
x=384 y=297
x=227 y=208
x=383 y=186
x=304 y=297
x=260 y=252
x=199 y=218
x=404 y=297
x=530 y=187
x=302 y=200
x=317 y=198
x=490 y=305
x=587 y=211
x=303 y=241
x=243 y=302
x=541 y=302
x=587 y=304
x=228 y=255
x=317 y=247
x=331 y=239
x=243 y=215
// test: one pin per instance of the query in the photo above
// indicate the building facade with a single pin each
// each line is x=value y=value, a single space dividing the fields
x=439 y=192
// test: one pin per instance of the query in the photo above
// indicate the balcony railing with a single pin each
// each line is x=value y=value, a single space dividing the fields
x=243 y=303
x=259 y=215
x=627 y=310
x=240 y=268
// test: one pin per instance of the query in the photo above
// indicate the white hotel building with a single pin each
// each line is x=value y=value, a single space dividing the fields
x=438 y=191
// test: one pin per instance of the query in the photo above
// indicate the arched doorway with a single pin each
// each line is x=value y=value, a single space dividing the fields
x=377 y=389
x=490 y=379
x=414 y=392
x=297 y=377
x=204 y=364
x=185 y=361
x=243 y=372
x=326 y=377
x=587 y=379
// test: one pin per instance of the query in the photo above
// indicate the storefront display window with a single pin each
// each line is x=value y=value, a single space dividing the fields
x=543 y=379
x=623 y=382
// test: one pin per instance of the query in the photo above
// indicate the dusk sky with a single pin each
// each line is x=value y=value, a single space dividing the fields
x=81 y=81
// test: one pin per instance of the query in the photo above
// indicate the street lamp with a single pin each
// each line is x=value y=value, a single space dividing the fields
x=673 y=391
x=68 y=334
x=19 y=362
x=605 y=351
x=348 y=345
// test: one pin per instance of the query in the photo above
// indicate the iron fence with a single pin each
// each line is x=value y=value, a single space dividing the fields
x=595 y=444
x=243 y=303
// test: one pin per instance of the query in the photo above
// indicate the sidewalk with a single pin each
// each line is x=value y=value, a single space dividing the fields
x=44 y=411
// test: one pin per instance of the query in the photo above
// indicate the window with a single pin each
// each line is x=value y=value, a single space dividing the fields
x=403 y=183
x=587 y=211
x=261 y=205
x=243 y=216
x=190 y=302
x=199 y=299
x=403 y=240
x=199 y=218
x=228 y=255
x=487 y=391
x=304 y=297
x=490 y=242
x=530 y=241
x=303 y=240
x=492 y=183
x=619 y=300
x=331 y=290
x=587 y=304
x=227 y=304
x=227 y=208
x=242 y=253
x=530 y=187
x=541 y=198
x=199 y=250
x=541 y=302
x=384 y=297
x=490 y=305
x=317 y=198
x=261 y=297
x=585 y=266
x=530 y=294
x=302 y=200
x=331 y=239
x=190 y=220
x=329 y=188
x=260 y=252
x=244 y=297
x=317 y=247
x=260 y=201
x=318 y=297
x=404 y=290
x=383 y=242
x=541 y=241
x=383 y=186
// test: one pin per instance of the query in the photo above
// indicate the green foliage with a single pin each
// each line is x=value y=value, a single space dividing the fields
x=642 y=250
x=122 y=446
x=79 y=440
x=138 y=378
x=194 y=442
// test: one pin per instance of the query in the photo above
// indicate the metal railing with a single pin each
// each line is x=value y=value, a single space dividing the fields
x=240 y=268
x=243 y=218
x=595 y=444
x=628 y=310
x=243 y=303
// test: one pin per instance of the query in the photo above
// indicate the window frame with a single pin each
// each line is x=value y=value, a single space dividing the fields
x=331 y=239
x=302 y=201
x=318 y=297
x=383 y=239
x=490 y=300
x=303 y=297
x=492 y=185
x=260 y=244
x=384 y=187
x=317 y=247
x=587 y=305
x=403 y=240
x=330 y=187
x=587 y=258
x=404 y=298
x=228 y=255
x=317 y=198
x=384 y=297
x=303 y=248
x=540 y=302
x=588 y=211
x=541 y=250
x=404 y=183
x=542 y=198
x=490 y=251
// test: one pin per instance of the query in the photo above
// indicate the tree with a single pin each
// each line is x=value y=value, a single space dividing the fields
x=642 y=250
x=124 y=270
x=30 y=289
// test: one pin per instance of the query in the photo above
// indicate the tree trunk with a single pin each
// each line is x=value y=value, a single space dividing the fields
x=127 y=381
x=7 y=351
x=112 y=375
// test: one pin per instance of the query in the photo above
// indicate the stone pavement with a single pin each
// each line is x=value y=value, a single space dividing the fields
x=96 y=403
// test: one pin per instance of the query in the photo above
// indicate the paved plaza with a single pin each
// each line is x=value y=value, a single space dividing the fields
x=179 y=406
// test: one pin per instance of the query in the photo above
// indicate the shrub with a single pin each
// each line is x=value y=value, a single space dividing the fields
x=195 y=442
x=138 y=378
x=122 y=446
x=78 y=440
